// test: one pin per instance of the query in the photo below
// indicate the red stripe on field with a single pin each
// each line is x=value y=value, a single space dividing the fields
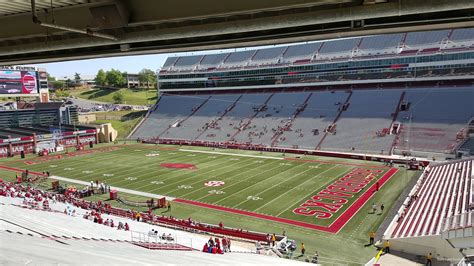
x=253 y=214
x=341 y=163
x=335 y=227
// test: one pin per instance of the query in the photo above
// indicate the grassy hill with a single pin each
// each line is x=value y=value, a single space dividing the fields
x=131 y=96
x=122 y=121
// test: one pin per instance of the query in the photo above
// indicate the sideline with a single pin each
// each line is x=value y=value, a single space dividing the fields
x=129 y=191
x=234 y=154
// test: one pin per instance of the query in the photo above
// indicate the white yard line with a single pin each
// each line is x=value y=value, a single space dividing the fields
x=129 y=191
x=295 y=187
x=234 y=154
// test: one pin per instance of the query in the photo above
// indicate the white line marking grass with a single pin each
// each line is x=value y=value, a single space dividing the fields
x=233 y=154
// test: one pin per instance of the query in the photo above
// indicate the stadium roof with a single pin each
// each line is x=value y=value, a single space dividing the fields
x=61 y=30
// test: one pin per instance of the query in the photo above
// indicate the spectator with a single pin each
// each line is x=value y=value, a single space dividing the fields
x=224 y=244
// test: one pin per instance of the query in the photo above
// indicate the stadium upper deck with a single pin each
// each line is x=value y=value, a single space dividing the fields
x=395 y=57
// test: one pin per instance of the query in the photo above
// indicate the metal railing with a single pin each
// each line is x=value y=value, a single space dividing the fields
x=459 y=221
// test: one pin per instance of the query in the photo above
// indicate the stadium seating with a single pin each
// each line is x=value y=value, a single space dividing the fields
x=167 y=115
x=187 y=62
x=415 y=39
x=443 y=190
x=212 y=61
x=268 y=56
x=277 y=113
x=309 y=126
x=433 y=122
x=205 y=117
x=237 y=59
x=434 y=118
x=236 y=119
x=361 y=129
x=300 y=53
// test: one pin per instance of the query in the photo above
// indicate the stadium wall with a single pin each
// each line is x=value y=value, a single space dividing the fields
x=422 y=246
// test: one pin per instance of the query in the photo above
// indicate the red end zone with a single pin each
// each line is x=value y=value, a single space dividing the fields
x=335 y=227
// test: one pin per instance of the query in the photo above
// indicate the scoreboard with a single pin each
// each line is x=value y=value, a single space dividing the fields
x=21 y=81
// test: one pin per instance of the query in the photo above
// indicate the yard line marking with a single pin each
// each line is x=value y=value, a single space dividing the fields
x=234 y=154
x=125 y=190
x=247 y=178
x=271 y=187
x=310 y=179
x=265 y=179
x=214 y=168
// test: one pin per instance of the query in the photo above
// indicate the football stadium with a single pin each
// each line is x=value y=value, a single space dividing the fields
x=327 y=144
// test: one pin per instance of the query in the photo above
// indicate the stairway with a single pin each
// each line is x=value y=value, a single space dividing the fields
x=335 y=120
x=227 y=110
x=191 y=114
x=288 y=125
x=252 y=117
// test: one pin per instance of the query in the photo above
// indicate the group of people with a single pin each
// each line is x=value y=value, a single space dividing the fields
x=97 y=218
x=101 y=187
x=214 y=245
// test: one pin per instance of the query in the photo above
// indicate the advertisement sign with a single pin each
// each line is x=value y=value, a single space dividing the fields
x=19 y=82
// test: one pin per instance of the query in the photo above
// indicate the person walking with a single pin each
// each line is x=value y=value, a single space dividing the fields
x=381 y=208
x=273 y=239
x=302 y=249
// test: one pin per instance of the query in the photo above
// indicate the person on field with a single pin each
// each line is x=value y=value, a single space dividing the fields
x=381 y=208
x=302 y=249
x=273 y=239
x=371 y=237
x=374 y=207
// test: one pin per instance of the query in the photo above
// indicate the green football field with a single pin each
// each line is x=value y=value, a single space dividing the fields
x=263 y=183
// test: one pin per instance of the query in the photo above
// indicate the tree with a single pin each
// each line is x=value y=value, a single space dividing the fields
x=77 y=78
x=147 y=76
x=115 y=78
x=57 y=85
x=118 y=97
x=100 y=78
x=50 y=78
